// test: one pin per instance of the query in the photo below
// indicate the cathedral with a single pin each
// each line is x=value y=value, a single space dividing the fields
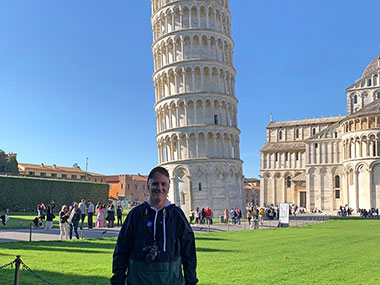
x=326 y=163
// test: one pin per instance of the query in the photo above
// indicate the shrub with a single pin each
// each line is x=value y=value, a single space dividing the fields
x=25 y=193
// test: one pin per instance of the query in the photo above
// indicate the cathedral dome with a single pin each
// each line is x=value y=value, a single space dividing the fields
x=375 y=64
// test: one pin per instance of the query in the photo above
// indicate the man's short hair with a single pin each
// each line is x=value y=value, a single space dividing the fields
x=158 y=169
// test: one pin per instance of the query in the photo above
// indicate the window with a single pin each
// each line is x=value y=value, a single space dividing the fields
x=316 y=145
x=378 y=95
x=96 y=179
x=215 y=119
x=297 y=133
x=337 y=194
x=183 y=198
x=32 y=173
x=287 y=156
x=280 y=135
x=276 y=156
x=297 y=156
x=336 y=135
x=54 y=175
x=288 y=182
x=143 y=187
x=73 y=176
x=101 y=179
x=83 y=177
x=337 y=181
x=355 y=99
x=43 y=174
x=200 y=186
x=128 y=186
x=314 y=131
x=135 y=186
x=121 y=185
x=369 y=82
x=64 y=176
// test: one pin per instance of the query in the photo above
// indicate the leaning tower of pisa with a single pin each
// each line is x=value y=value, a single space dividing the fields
x=194 y=80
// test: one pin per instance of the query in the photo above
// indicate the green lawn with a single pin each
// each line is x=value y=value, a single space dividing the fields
x=334 y=252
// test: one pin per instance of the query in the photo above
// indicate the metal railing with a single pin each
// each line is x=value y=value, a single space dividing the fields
x=18 y=263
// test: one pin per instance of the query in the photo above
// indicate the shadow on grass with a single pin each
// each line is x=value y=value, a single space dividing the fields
x=209 y=238
x=204 y=249
x=7 y=277
x=80 y=246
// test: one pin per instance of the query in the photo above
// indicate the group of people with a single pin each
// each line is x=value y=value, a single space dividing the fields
x=45 y=212
x=77 y=213
x=371 y=213
x=234 y=214
x=73 y=216
x=201 y=216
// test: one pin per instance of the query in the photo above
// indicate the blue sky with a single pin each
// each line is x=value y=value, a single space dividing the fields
x=76 y=76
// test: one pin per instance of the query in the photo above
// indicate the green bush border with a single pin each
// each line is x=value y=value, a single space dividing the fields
x=25 y=193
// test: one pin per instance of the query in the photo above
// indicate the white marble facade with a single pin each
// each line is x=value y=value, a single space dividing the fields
x=327 y=162
x=196 y=107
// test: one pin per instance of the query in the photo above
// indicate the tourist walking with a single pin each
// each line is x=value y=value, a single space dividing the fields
x=119 y=214
x=203 y=216
x=249 y=217
x=83 y=209
x=208 y=216
x=90 y=214
x=238 y=215
x=111 y=215
x=233 y=216
x=226 y=216
x=50 y=216
x=75 y=216
x=197 y=216
x=261 y=216
x=100 y=214
x=63 y=217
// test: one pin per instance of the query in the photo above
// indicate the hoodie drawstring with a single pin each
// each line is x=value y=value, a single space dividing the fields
x=164 y=222
x=154 y=227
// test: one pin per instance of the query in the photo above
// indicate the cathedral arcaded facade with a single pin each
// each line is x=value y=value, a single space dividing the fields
x=196 y=107
x=327 y=162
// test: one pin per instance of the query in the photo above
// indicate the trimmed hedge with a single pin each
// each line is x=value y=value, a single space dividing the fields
x=25 y=193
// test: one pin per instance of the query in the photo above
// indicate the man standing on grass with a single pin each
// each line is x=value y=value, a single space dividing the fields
x=156 y=241
x=90 y=212
x=83 y=209
x=74 y=219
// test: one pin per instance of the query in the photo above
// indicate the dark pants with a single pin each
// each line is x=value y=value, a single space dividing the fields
x=75 y=226
x=82 y=221
x=90 y=222
x=119 y=219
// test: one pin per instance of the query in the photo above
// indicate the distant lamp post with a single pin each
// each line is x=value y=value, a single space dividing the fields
x=86 y=166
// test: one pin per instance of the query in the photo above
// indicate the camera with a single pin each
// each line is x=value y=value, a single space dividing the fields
x=151 y=253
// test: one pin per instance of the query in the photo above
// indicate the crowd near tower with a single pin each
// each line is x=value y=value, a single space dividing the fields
x=195 y=106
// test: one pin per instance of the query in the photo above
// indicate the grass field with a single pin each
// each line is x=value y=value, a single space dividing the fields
x=334 y=252
x=27 y=218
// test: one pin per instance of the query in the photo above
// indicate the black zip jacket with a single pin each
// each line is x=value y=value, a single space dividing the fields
x=169 y=230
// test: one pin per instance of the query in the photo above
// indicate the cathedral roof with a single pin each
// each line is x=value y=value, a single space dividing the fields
x=375 y=64
x=304 y=122
x=371 y=109
x=283 y=146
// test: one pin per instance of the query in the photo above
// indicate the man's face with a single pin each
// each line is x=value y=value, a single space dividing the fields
x=158 y=187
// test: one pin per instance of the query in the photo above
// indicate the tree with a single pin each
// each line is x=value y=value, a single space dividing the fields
x=3 y=161
x=12 y=165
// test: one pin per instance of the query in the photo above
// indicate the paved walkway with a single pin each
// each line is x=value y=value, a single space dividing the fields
x=13 y=235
